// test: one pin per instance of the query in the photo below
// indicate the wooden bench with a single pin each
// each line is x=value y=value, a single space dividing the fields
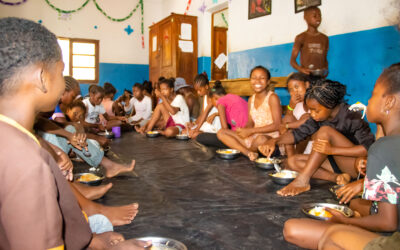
x=241 y=86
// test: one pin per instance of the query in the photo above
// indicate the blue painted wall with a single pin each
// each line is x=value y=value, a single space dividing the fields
x=355 y=59
x=204 y=64
x=122 y=76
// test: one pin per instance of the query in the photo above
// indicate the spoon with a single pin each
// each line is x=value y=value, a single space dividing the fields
x=277 y=167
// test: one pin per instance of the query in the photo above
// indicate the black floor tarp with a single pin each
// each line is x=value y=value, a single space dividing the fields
x=188 y=194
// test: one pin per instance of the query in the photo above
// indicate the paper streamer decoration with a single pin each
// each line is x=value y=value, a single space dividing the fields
x=66 y=11
x=117 y=19
x=188 y=6
x=12 y=4
x=223 y=18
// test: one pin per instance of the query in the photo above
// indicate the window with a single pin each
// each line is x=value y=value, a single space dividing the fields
x=81 y=58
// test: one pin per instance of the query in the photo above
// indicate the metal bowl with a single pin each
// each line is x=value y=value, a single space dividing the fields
x=182 y=137
x=319 y=72
x=161 y=243
x=284 y=180
x=266 y=165
x=333 y=190
x=343 y=209
x=108 y=135
x=228 y=154
x=152 y=134
x=91 y=183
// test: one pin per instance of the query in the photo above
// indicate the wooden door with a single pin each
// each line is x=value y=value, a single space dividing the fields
x=154 y=54
x=167 y=56
x=219 y=44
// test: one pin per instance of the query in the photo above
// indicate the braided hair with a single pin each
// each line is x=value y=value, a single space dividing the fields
x=328 y=93
x=217 y=89
x=201 y=79
x=70 y=83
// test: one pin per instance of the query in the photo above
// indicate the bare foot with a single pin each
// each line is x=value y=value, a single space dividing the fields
x=252 y=156
x=90 y=192
x=343 y=179
x=120 y=215
x=115 y=169
x=294 y=188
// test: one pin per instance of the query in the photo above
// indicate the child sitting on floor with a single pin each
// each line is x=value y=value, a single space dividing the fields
x=201 y=125
x=182 y=88
x=94 y=109
x=340 y=136
x=264 y=117
x=171 y=114
x=108 y=103
x=297 y=112
x=381 y=185
x=312 y=45
x=139 y=106
x=232 y=112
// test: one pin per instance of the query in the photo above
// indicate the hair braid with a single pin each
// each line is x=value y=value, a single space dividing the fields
x=327 y=93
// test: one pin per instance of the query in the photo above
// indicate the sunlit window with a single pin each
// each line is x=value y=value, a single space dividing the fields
x=81 y=58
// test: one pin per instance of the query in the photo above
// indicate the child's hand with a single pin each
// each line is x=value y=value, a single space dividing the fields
x=211 y=118
x=347 y=192
x=243 y=132
x=361 y=165
x=158 y=93
x=337 y=217
x=282 y=129
x=78 y=141
x=65 y=165
x=322 y=146
x=305 y=70
x=268 y=148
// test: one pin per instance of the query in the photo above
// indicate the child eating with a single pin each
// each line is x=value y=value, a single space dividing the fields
x=264 y=117
x=340 y=137
x=171 y=114
x=381 y=185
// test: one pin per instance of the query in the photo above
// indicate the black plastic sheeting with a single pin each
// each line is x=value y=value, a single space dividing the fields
x=187 y=193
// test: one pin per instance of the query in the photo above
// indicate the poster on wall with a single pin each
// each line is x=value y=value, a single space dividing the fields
x=259 y=8
x=300 y=5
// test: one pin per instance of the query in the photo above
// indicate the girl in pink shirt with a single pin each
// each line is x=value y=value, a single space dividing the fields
x=232 y=109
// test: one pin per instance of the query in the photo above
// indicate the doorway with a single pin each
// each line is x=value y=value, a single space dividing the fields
x=219 y=44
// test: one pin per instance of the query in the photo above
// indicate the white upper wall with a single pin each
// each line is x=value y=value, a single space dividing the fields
x=282 y=26
x=338 y=16
x=116 y=46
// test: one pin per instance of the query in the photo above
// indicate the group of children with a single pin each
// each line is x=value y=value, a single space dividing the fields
x=320 y=136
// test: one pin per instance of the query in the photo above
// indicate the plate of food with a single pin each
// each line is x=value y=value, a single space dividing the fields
x=228 y=154
x=106 y=134
x=182 y=137
x=318 y=210
x=335 y=188
x=162 y=243
x=266 y=163
x=89 y=178
x=283 y=177
x=153 y=134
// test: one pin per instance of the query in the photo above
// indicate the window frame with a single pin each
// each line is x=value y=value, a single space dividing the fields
x=96 y=56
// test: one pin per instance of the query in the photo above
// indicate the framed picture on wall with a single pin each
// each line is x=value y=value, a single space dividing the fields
x=259 y=8
x=300 y=5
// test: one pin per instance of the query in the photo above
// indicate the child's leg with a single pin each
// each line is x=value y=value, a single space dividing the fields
x=171 y=132
x=345 y=237
x=118 y=216
x=232 y=140
x=114 y=169
x=315 y=160
x=100 y=139
x=325 y=172
x=92 y=192
x=158 y=114
x=304 y=233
